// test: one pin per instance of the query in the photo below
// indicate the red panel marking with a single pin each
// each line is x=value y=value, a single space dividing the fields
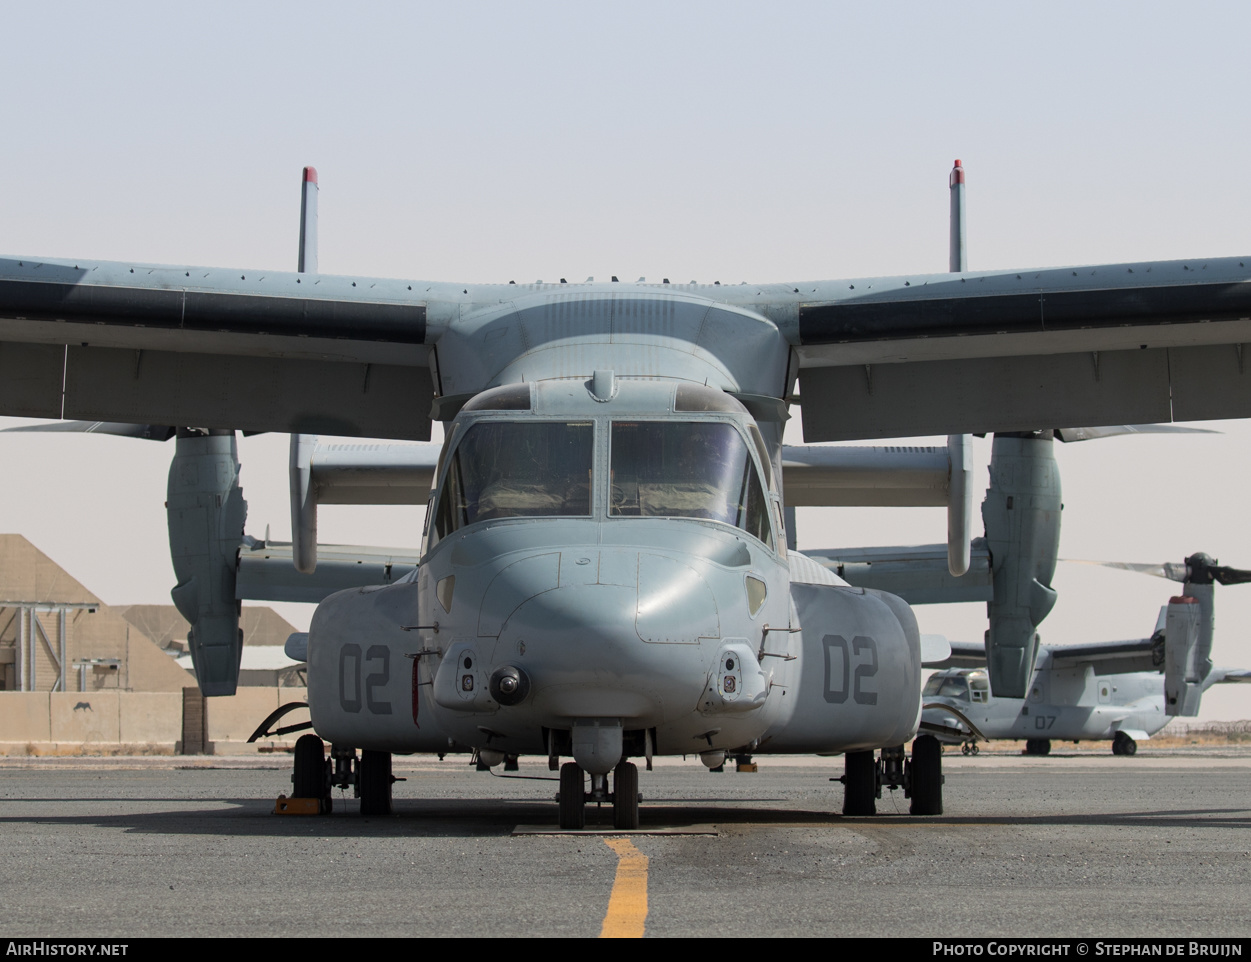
x=310 y=175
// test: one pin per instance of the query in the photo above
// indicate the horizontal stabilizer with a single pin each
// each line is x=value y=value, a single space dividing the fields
x=916 y=573
x=865 y=476
x=266 y=572
x=355 y=473
x=964 y=654
x=1110 y=657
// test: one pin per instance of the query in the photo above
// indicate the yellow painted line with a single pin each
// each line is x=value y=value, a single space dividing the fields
x=627 y=906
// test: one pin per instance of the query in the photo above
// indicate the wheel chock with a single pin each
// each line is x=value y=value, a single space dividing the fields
x=297 y=806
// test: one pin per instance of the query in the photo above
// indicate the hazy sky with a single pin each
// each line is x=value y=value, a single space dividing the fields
x=719 y=141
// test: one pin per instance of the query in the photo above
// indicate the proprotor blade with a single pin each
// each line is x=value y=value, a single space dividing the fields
x=958 y=258
x=959 y=446
x=308 y=223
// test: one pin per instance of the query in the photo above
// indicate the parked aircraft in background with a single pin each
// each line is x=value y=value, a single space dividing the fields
x=1117 y=690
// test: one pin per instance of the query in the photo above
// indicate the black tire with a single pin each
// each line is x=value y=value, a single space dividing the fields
x=1122 y=744
x=625 y=796
x=511 y=763
x=927 y=776
x=310 y=778
x=572 y=797
x=1116 y=747
x=373 y=778
x=1038 y=746
x=859 y=783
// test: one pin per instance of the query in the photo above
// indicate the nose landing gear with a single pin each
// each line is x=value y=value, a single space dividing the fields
x=624 y=796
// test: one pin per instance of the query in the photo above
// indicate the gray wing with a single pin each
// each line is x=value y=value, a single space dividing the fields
x=257 y=351
x=931 y=354
x=1021 y=350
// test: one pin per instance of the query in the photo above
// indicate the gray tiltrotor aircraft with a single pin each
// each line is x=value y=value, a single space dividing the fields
x=604 y=574
x=1125 y=691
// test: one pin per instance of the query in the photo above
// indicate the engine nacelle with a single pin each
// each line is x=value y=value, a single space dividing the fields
x=369 y=679
x=1187 y=649
x=859 y=685
x=1022 y=517
x=206 y=512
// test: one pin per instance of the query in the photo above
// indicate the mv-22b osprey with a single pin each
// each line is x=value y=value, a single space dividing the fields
x=604 y=574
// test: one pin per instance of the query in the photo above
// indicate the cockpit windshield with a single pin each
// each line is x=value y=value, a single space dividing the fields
x=517 y=469
x=686 y=469
x=947 y=686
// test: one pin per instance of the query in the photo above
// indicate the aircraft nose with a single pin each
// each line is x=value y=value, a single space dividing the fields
x=583 y=651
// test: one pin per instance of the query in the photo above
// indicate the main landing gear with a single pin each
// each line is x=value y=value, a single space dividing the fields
x=921 y=777
x=315 y=776
x=1038 y=746
x=1122 y=744
x=311 y=778
x=574 y=796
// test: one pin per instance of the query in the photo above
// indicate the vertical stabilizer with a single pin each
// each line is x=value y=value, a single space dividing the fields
x=1187 y=642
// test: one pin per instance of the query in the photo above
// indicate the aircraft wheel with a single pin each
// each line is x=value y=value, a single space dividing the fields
x=1122 y=744
x=927 y=776
x=625 y=796
x=965 y=749
x=572 y=797
x=1037 y=746
x=975 y=749
x=511 y=763
x=859 y=783
x=309 y=779
x=373 y=778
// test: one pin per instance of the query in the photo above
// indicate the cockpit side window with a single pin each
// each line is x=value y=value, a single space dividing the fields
x=512 y=469
x=671 y=469
x=947 y=686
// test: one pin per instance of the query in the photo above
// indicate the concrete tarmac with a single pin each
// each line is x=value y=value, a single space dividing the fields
x=1069 y=845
